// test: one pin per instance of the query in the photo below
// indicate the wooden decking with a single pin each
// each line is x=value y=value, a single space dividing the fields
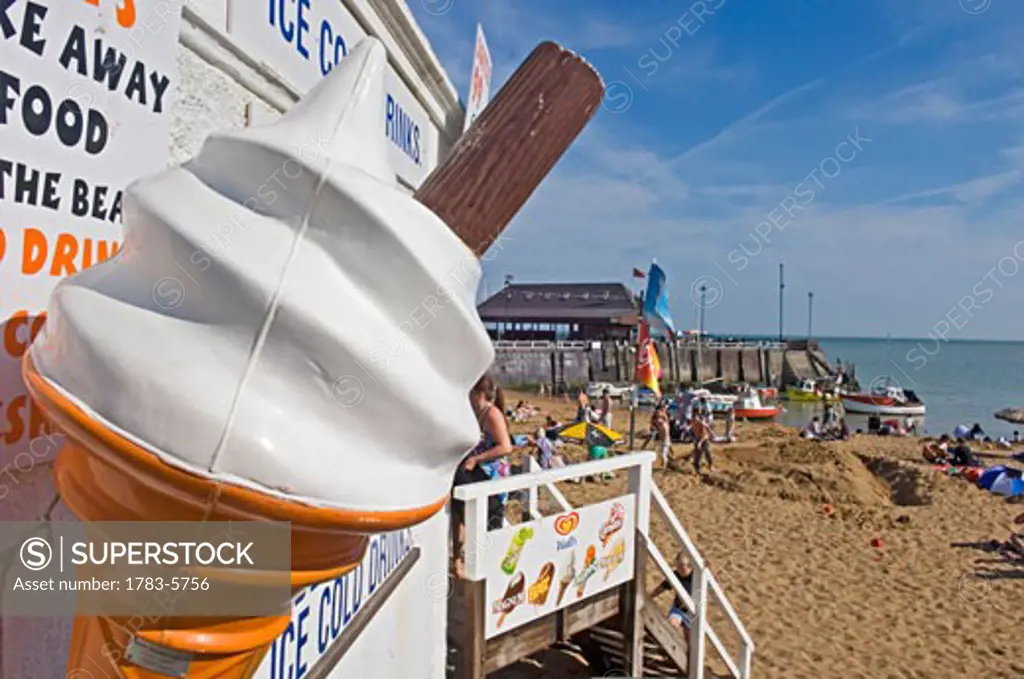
x=475 y=657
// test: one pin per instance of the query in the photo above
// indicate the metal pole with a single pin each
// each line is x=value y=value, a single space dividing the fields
x=700 y=338
x=782 y=286
x=634 y=391
x=703 y=306
x=810 y=313
x=508 y=281
x=633 y=396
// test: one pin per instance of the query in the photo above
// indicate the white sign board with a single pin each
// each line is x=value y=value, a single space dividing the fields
x=302 y=40
x=480 y=82
x=85 y=108
x=322 y=612
x=536 y=568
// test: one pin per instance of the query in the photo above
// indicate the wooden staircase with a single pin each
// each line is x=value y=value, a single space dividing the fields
x=664 y=649
x=621 y=630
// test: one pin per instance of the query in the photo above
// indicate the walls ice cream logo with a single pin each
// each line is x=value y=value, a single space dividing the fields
x=565 y=525
x=616 y=518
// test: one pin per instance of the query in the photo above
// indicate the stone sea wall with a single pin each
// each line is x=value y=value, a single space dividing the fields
x=569 y=365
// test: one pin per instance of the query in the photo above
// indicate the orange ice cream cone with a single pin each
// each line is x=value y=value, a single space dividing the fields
x=104 y=477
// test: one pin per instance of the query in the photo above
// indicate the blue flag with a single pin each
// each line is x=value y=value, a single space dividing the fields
x=655 y=310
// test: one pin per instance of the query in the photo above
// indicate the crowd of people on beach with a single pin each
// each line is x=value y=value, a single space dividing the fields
x=829 y=427
x=692 y=423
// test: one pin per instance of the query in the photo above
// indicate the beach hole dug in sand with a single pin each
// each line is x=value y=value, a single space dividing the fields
x=813 y=471
x=908 y=485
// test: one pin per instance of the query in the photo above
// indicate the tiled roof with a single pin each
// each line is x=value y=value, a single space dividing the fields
x=558 y=302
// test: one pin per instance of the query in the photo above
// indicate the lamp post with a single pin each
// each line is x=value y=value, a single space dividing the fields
x=700 y=335
x=508 y=295
x=782 y=287
x=810 y=313
x=703 y=306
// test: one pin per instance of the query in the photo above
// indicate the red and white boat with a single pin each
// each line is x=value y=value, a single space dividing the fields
x=749 y=407
x=884 y=400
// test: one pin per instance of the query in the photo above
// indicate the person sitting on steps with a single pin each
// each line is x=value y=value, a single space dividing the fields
x=678 y=615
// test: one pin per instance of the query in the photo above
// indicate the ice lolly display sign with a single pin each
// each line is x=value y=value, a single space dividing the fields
x=536 y=568
x=85 y=97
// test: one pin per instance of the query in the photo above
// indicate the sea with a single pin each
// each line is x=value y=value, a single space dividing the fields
x=960 y=382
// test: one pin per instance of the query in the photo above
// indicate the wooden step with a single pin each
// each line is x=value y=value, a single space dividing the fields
x=651 y=646
x=651 y=651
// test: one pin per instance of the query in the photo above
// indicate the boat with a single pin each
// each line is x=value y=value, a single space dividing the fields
x=884 y=399
x=646 y=397
x=809 y=391
x=718 y=403
x=749 y=407
x=768 y=393
x=595 y=390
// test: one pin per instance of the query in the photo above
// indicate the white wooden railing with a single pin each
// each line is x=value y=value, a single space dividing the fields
x=543 y=344
x=583 y=344
x=639 y=466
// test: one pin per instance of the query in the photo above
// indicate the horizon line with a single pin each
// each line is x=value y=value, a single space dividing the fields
x=826 y=338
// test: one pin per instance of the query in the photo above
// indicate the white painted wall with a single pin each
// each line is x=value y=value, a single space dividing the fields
x=406 y=639
x=221 y=88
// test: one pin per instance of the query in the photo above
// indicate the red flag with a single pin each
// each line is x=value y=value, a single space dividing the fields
x=637 y=273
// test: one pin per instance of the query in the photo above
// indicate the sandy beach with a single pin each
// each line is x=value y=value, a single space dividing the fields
x=788 y=526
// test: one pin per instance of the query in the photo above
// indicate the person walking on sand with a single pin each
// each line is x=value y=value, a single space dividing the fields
x=660 y=429
x=605 y=408
x=702 y=433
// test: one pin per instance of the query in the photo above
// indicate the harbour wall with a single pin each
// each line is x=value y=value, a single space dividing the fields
x=565 y=365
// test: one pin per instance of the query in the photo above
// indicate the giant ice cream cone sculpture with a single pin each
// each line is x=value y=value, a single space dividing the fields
x=286 y=335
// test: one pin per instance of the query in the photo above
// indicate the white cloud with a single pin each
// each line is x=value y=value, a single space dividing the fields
x=971 y=192
x=743 y=125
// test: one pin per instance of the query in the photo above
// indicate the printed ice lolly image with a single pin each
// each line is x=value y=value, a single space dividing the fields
x=515 y=549
x=513 y=594
x=538 y=593
x=589 y=568
x=568 y=575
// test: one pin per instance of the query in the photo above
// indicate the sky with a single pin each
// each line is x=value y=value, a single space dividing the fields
x=873 y=147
